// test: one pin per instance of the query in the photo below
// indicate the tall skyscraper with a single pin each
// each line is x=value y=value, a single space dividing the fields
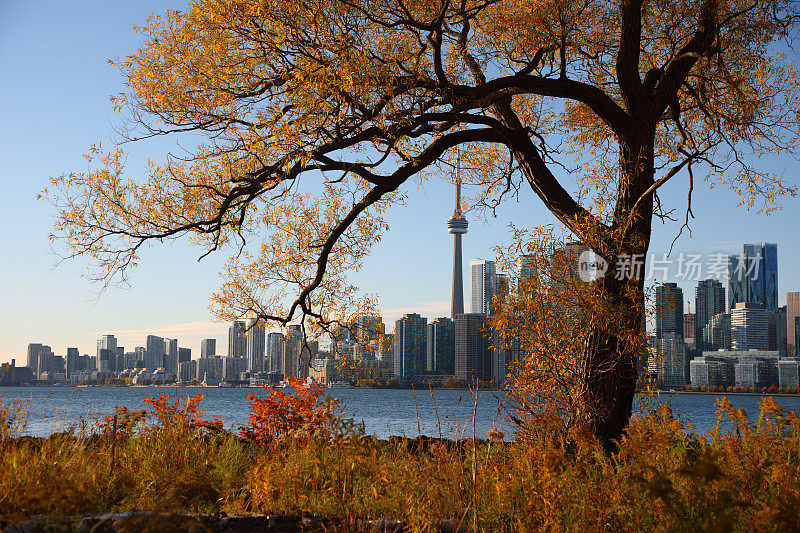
x=255 y=345
x=107 y=342
x=237 y=339
x=154 y=355
x=73 y=356
x=275 y=341
x=792 y=312
x=441 y=340
x=171 y=356
x=709 y=302
x=184 y=355
x=717 y=333
x=669 y=310
x=208 y=347
x=753 y=276
x=410 y=347
x=482 y=281
x=473 y=348
x=34 y=357
x=457 y=225
x=292 y=344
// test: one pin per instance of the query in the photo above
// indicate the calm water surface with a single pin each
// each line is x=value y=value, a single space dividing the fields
x=383 y=412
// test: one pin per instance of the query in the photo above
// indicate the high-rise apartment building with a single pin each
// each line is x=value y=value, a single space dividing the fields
x=410 y=347
x=473 y=348
x=274 y=353
x=208 y=347
x=482 y=278
x=749 y=327
x=669 y=310
x=753 y=276
x=237 y=339
x=441 y=341
x=792 y=312
x=709 y=302
x=256 y=344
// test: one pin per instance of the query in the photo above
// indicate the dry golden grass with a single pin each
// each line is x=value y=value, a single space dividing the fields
x=664 y=477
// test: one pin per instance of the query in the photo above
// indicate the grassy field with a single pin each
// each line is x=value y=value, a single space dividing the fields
x=298 y=457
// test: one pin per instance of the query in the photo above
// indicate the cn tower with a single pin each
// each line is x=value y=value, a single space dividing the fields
x=457 y=225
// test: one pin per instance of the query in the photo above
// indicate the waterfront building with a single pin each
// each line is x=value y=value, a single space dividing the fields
x=154 y=354
x=209 y=368
x=707 y=371
x=749 y=327
x=792 y=312
x=669 y=310
x=753 y=276
x=482 y=278
x=187 y=370
x=321 y=371
x=274 y=353
x=208 y=347
x=789 y=373
x=709 y=302
x=752 y=372
x=473 y=348
x=232 y=367
x=441 y=346
x=457 y=226
x=410 y=347
x=237 y=339
x=256 y=344
x=672 y=362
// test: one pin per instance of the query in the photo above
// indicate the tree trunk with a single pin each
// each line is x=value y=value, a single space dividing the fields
x=609 y=374
x=616 y=339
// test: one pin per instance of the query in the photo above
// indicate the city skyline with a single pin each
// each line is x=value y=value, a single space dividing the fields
x=170 y=292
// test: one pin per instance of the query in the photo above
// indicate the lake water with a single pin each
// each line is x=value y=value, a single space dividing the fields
x=383 y=412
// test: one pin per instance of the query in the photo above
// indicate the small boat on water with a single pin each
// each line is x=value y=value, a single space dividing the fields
x=339 y=385
x=283 y=384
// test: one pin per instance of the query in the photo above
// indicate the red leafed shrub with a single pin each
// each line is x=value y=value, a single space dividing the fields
x=299 y=413
x=124 y=422
x=182 y=414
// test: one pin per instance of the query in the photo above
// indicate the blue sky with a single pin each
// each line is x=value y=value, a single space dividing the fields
x=54 y=90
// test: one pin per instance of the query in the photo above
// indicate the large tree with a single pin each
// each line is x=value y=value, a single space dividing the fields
x=316 y=113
